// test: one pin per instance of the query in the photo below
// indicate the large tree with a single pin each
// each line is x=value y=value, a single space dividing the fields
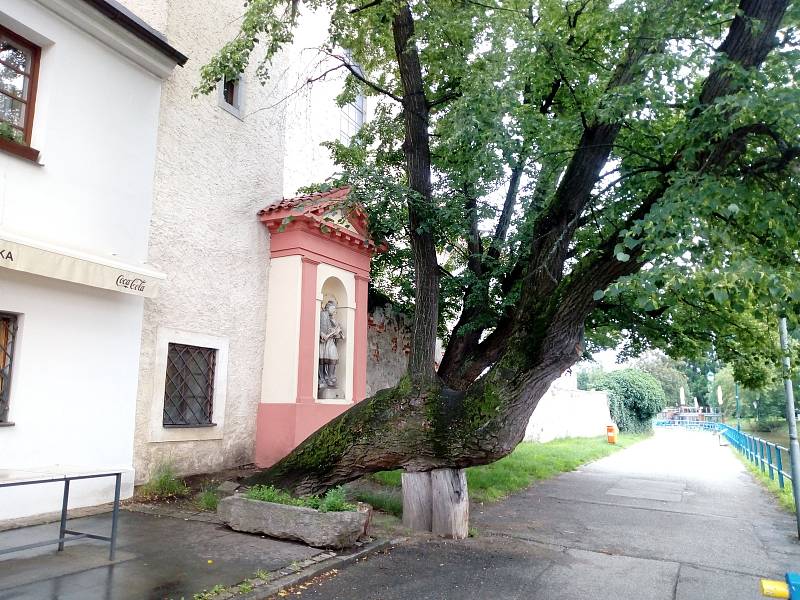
x=548 y=174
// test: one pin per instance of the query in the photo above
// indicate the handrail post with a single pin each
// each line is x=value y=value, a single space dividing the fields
x=779 y=465
x=769 y=461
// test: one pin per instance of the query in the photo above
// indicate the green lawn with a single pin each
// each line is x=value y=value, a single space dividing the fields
x=529 y=462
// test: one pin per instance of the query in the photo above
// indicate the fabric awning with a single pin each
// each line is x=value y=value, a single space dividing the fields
x=40 y=258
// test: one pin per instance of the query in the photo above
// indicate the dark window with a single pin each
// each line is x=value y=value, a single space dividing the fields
x=189 y=389
x=230 y=92
x=19 y=67
x=8 y=335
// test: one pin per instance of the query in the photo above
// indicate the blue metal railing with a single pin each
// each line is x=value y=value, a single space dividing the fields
x=765 y=455
x=687 y=424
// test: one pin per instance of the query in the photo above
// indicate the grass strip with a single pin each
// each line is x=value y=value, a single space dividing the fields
x=784 y=496
x=529 y=462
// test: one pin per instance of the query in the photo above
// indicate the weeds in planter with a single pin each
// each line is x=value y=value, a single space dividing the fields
x=333 y=501
x=208 y=499
x=165 y=484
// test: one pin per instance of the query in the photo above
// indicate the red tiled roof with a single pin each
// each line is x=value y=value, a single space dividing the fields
x=311 y=200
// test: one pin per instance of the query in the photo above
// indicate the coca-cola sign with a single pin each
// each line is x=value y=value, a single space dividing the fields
x=132 y=283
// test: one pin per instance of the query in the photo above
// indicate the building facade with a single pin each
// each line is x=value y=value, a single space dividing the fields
x=80 y=87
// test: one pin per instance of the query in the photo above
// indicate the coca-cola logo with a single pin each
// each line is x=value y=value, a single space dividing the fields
x=135 y=284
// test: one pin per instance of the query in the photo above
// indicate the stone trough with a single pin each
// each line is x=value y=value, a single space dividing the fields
x=315 y=528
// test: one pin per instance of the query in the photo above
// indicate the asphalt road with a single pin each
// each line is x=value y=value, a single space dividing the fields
x=674 y=518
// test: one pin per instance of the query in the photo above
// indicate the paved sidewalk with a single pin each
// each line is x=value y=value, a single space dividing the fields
x=674 y=518
x=158 y=557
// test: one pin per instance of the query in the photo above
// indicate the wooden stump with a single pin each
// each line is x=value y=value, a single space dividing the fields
x=417 y=500
x=450 y=514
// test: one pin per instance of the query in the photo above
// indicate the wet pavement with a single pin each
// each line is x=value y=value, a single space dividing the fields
x=158 y=557
x=676 y=517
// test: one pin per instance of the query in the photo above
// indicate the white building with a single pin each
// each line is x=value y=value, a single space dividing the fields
x=80 y=87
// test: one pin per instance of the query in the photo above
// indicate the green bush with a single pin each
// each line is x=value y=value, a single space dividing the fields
x=333 y=501
x=634 y=398
x=164 y=484
x=208 y=499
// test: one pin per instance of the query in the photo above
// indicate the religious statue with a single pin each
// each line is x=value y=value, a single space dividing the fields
x=329 y=332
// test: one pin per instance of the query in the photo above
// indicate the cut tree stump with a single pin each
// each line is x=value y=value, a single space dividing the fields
x=450 y=514
x=417 y=500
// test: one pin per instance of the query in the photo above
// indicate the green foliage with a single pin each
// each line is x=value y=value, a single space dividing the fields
x=387 y=501
x=7 y=132
x=516 y=88
x=208 y=499
x=164 y=484
x=634 y=398
x=668 y=373
x=210 y=594
x=334 y=499
x=588 y=377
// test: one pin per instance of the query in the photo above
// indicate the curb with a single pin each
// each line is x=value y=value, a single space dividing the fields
x=273 y=587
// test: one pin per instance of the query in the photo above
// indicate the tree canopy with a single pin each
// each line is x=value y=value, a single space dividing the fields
x=552 y=177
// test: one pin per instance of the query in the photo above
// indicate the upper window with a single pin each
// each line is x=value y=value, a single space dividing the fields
x=189 y=386
x=19 y=66
x=352 y=118
x=230 y=95
x=8 y=334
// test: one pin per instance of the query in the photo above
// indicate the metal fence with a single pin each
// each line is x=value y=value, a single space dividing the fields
x=687 y=424
x=767 y=456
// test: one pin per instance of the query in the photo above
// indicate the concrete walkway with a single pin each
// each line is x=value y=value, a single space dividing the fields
x=674 y=518
x=158 y=557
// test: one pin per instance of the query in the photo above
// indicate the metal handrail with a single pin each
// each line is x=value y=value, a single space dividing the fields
x=768 y=456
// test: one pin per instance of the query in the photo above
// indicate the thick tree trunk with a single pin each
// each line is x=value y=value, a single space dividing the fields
x=418 y=168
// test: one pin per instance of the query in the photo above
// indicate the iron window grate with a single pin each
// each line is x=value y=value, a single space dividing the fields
x=189 y=389
x=8 y=334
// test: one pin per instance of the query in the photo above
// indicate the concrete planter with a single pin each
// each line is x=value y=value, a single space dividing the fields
x=319 y=529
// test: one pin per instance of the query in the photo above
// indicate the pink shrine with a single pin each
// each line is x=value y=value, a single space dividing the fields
x=319 y=255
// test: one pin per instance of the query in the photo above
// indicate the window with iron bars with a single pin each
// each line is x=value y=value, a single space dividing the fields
x=189 y=386
x=8 y=335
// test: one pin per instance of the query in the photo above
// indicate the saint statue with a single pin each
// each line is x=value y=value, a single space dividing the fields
x=329 y=332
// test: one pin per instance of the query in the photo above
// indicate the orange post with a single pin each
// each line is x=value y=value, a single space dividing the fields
x=611 y=434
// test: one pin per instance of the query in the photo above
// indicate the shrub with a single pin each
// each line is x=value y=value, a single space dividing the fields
x=208 y=499
x=164 y=484
x=634 y=398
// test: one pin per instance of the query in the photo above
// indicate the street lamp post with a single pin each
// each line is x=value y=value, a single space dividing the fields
x=738 y=415
x=794 y=448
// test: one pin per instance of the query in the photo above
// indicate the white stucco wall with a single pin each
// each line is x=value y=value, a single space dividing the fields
x=566 y=411
x=214 y=172
x=76 y=360
x=73 y=387
x=94 y=188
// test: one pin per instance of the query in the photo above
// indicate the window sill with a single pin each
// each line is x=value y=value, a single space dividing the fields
x=20 y=150
x=7 y=424
x=189 y=426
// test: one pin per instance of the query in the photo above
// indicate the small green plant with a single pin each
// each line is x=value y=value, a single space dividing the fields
x=7 y=132
x=263 y=575
x=246 y=587
x=164 y=484
x=208 y=499
x=333 y=501
x=472 y=532
x=294 y=566
x=209 y=594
